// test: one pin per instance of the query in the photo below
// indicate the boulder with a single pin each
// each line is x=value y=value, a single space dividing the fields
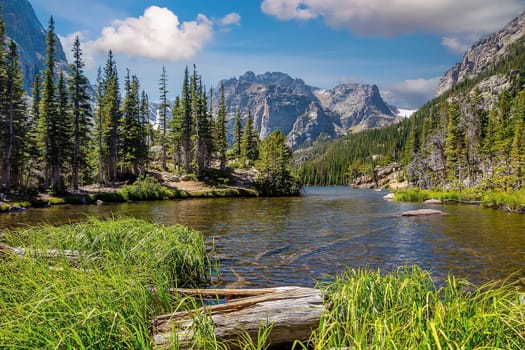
x=16 y=209
x=433 y=201
x=389 y=197
x=185 y=178
x=100 y=202
x=423 y=212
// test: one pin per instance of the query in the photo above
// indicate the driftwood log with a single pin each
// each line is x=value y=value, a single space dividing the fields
x=292 y=312
x=8 y=251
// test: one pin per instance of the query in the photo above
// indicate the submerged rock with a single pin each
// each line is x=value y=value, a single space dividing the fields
x=433 y=201
x=16 y=209
x=423 y=212
x=389 y=197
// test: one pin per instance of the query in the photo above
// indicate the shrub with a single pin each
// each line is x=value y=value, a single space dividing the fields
x=146 y=188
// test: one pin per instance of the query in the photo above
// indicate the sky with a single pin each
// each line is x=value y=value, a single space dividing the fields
x=403 y=46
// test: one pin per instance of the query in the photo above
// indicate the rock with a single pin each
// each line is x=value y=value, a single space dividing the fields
x=185 y=178
x=389 y=197
x=16 y=209
x=423 y=212
x=100 y=202
x=433 y=201
x=482 y=54
x=23 y=26
x=302 y=112
x=175 y=178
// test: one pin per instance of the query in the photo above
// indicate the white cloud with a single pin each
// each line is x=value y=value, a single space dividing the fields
x=158 y=34
x=230 y=19
x=455 y=45
x=410 y=94
x=379 y=17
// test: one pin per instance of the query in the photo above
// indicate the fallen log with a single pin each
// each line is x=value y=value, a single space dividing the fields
x=292 y=312
x=8 y=251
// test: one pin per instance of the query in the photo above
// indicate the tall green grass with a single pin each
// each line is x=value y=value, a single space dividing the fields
x=103 y=301
x=405 y=310
x=512 y=200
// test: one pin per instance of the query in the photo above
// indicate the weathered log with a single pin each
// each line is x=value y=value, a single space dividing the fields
x=293 y=313
x=8 y=251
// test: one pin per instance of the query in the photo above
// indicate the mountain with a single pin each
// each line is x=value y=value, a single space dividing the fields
x=472 y=134
x=480 y=56
x=22 y=25
x=303 y=112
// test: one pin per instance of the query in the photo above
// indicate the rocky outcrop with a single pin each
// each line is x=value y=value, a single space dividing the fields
x=303 y=112
x=423 y=212
x=22 y=25
x=482 y=54
x=357 y=105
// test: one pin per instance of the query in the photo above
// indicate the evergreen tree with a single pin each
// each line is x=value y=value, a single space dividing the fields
x=175 y=134
x=163 y=115
x=275 y=178
x=63 y=137
x=100 y=129
x=49 y=117
x=186 y=122
x=237 y=134
x=82 y=115
x=145 y=128
x=249 y=152
x=131 y=132
x=4 y=128
x=221 y=137
x=518 y=142
x=14 y=108
x=455 y=143
x=110 y=118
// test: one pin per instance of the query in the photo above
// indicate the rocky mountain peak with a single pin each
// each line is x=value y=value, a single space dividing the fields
x=482 y=54
x=278 y=101
x=22 y=25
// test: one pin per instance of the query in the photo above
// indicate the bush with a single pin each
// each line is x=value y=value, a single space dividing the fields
x=146 y=188
x=115 y=197
x=276 y=183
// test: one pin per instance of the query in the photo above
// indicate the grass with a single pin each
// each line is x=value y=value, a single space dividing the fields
x=104 y=300
x=405 y=310
x=225 y=192
x=512 y=200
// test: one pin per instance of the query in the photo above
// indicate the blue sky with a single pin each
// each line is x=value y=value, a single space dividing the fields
x=403 y=46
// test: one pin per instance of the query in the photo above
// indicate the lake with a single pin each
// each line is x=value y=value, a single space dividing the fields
x=264 y=242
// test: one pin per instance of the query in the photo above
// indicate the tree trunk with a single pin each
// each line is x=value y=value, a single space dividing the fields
x=292 y=312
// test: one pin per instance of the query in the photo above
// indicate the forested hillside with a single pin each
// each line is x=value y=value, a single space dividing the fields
x=471 y=135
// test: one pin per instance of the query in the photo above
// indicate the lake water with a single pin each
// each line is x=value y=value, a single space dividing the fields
x=265 y=242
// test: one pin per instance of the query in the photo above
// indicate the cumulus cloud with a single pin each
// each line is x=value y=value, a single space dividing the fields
x=410 y=94
x=230 y=19
x=157 y=34
x=379 y=17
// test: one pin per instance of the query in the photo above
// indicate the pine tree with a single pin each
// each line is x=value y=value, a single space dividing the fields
x=145 y=127
x=249 y=142
x=237 y=134
x=518 y=142
x=221 y=138
x=163 y=115
x=17 y=124
x=186 y=122
x=4 y=129
x=175 y=133
x=82 y=115
x=455 y=143
x=110 y=118
x=100 y=131
x=63 y=137
x=49 y=117
x=131 y=132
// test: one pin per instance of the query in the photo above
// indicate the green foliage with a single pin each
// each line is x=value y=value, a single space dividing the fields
x=405 y=310
x=275 y=178
x=106 y=298
x=146 y=188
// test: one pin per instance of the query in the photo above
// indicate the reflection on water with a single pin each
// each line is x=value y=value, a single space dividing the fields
x=278 y=241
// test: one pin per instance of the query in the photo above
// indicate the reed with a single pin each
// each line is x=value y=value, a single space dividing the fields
x=405 y=310
x=104 y=300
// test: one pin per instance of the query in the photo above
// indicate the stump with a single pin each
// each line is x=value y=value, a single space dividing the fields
x=293 y=313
